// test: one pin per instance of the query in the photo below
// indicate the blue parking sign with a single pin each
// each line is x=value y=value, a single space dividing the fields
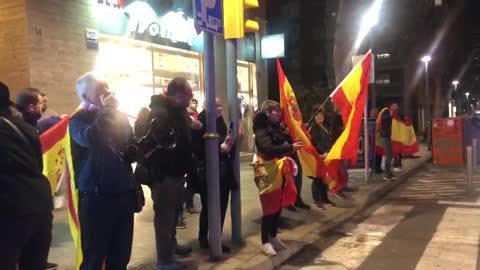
x=209 y=16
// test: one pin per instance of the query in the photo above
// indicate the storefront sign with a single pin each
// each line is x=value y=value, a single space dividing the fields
x=112 y=3
x=139 y=20
x=91 y=36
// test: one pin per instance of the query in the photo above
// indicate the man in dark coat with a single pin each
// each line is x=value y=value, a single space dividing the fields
x=25 y=197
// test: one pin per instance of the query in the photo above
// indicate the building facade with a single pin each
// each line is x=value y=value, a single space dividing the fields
x=139 y=46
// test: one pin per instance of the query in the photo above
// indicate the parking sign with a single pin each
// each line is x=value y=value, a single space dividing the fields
x=209 y=16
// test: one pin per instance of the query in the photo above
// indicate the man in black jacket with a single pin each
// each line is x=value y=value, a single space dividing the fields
x=227 y=177
x=386 y=136
x=25 y=197
x=171 y=128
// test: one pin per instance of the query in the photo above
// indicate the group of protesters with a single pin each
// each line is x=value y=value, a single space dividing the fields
x=167 y=145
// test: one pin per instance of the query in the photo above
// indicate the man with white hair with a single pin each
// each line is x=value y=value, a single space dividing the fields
x=103 y=176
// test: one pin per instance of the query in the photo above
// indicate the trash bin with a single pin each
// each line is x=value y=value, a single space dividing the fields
x=471 y=130
x=447 y=146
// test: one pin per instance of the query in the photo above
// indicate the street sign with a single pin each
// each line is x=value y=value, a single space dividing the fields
x=208 y=15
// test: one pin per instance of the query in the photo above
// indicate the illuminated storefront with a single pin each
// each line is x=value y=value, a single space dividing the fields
x=140 y=49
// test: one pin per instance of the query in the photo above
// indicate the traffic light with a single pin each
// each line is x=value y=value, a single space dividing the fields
x=234 y=23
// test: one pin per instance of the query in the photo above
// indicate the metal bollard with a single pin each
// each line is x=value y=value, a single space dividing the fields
x=469 y=169
x=474 y=154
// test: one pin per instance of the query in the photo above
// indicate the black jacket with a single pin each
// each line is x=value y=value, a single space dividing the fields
x=321 y=139
x=178 y=161
x=271 y=139
x=98 y=163
x=24 y=189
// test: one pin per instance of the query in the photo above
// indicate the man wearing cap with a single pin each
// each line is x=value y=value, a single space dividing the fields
x=25 y=197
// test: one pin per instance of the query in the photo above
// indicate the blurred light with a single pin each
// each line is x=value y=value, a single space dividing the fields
x=455 y=83
x=467 y=94
x=383 y=55
x=369 y=20
x=426 y=59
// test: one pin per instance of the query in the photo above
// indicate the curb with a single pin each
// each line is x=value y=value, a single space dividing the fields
x=294 y=247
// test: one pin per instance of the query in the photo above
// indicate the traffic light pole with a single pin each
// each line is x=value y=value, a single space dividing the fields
x=211 y=145
x=234 y=115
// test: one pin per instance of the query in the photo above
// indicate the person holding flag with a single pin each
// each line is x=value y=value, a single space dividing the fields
x=274 y=171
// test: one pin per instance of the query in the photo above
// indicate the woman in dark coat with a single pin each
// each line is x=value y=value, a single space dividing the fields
x=322 y=140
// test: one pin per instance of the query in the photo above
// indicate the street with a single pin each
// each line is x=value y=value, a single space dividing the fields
x=427 y=223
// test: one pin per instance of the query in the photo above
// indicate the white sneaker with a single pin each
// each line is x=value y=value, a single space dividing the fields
x=268 y=249
x=277 y=244
x=397 y=169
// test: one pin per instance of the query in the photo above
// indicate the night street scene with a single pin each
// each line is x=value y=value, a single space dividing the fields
x=239 y=134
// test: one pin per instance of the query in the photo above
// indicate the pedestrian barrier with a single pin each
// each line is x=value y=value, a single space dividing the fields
x=474 y=155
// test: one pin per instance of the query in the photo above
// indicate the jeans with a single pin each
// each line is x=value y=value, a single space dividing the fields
x=167 y=196
x=397 y=163
x=25 y=241
x=298 y=182
x=270 y=226
x=107 y=229
x=387 y=144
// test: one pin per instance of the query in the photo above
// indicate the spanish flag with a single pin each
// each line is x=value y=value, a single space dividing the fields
x=53 y=153
x=350 y=97
x=312 y=163
x=274 y=180
x=72 y=198
x=404 y=139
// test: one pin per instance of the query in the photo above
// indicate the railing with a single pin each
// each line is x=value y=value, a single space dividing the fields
x=471 y=165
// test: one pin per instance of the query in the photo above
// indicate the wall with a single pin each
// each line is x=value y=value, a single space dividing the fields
x=14 y=64
x=58 y=54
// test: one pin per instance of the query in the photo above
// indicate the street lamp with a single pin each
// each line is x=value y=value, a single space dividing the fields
x=369 y=20
x=427 y=120
x=467 y=94
x=453 y=101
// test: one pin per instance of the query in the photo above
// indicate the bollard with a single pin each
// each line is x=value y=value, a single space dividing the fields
x=474 y=155
x=469 y=169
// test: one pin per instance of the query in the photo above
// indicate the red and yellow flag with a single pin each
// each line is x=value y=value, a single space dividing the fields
x=404 y=139
x=350 y=97
x=72 y=199
x=53 y=153
x=311 y=161
x=274 y=180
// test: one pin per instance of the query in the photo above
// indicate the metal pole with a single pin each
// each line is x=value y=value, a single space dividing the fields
x=211 y=147
x=232 y=87
x=474 y=155
x=366 y=138
x=428 y=119
x=469 y=169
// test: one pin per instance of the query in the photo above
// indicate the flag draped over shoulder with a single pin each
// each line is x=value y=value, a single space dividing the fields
x=274 y=180
x=350 y=97
x=53 y=153
x=312 y=163
x=404 y=139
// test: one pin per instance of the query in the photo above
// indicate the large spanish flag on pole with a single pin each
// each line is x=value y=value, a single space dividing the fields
x=404 y=139
x=53 y=153
x=350 y=97
x=312 y=163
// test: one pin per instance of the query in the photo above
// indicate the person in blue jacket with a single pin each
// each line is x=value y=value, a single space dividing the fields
x=103 y=176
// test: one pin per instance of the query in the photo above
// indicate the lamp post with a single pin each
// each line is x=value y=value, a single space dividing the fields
x=425 y=59
x=453 y=101
x=466 y=110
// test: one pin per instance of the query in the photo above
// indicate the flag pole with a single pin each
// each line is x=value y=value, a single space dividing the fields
x=366 y=138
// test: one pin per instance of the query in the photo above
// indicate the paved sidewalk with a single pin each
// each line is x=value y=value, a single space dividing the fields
x=296 y=228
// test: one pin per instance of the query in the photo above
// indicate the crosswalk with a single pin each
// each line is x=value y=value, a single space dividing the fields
x=428 y=224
